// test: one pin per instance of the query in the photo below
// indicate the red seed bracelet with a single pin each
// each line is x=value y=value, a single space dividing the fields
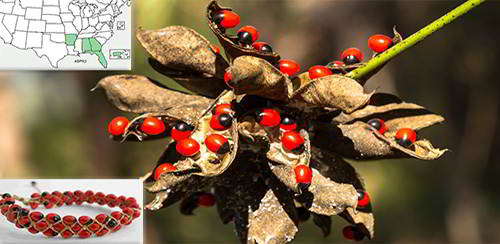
x=52 y=224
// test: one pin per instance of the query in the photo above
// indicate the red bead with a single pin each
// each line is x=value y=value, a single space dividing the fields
x=125 y=221
x=69 y=220
x=34 y=205
x=162 y=168
x=84 y=220
x=303 y=174
x=221 y=122
x=379 y=43
x=117 y=215
x=206 y=200
x=84 y=234
x=292 y=140
x=117 y=126
x=226 y=19
x=405 y=137
x=187 y=147
x=102 y=232
x=67 y=234
x=262 y=47
x=36 y=216
x=32 y=230
x=12 y=217
x=217 y=143
x=23 y=221
x=94 y=227
x=318 y=71
x=223 y=108
x=153 y=126
x=181 y=131
x=228 y=77
x=101 y=218
x=268 y=117
x=289 y=67
x=352 y=233
x=75 y=228
x=363 y=199
x=378 y=124
x=252 y=31
x=59 y=227
x=35 y=195
x=53 y=218
x=137 y=213
x=351 y=56
x=50 y=233
x=41 y=225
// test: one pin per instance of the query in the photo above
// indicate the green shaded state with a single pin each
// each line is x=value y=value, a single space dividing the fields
x=117 y=54
x=93 y=46
x=70 y=39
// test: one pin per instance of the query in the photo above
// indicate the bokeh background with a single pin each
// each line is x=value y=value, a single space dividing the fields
x=52 y=126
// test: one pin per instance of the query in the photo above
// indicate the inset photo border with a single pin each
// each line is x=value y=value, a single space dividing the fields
x=46 y=211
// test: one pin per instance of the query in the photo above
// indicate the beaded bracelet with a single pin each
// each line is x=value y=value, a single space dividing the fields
x=52 y=224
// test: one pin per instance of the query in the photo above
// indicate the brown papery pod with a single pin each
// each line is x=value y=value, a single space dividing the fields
x=139 y=94
x=323 y=196
x=256 y=76
x=332 y=91
x=271 y=223
x=230 y=43
x=324 y=222
x=337 y=169
x=361 y=141
x=185 y=56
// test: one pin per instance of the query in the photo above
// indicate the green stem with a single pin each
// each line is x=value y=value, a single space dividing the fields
x=390 y=53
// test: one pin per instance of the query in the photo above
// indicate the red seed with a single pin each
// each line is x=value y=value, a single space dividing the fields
x=215 y=48
x=379 y=43
x=289 y=67
x=84 y=234
x=223 y=108
x=292 y=140
x=162 y=168
x=262 y=46
x=117 y=126
x=206 y=200
x=268 y=117
x=254 y=33
x=363 y=199
x=303 y=174
x=405 y=137
x=338 y=63
x=354 y=52
x=152 y=126
x=226 y=19
x=352 y=233
x=180 y=133
x=378 y=124
x=217 y=143
x=187 y=147
x=67 y=234
x=318 y=71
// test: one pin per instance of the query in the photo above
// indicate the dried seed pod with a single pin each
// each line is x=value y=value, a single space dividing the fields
x=324 y=222
x=139 y=94
x=252 y=75
x=231 y=43
x=186 y=56
x=333 y=91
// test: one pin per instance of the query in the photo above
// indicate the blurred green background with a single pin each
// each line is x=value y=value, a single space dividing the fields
x=52 y=126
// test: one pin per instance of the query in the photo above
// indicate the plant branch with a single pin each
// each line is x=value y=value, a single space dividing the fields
x=390 y=53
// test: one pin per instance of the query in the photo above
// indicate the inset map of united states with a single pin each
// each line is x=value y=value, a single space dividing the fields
x=56 y=29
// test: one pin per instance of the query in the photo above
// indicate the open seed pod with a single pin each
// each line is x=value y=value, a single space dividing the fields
x=230 y=43
x=185 y=56
x=354 y=138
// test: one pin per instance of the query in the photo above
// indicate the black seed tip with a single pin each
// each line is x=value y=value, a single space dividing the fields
x=404 y=142
x=266 y=48
x=224 y=148
x=287 y=120
x=245 y=37
x=6 y=195
x=56 y=218
x=303 y=214
x=181 y=126
x=304 y=186
x=351 y=59
x=226 y=120
x=218 y=17
x=300 y=149
x=44 y=194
